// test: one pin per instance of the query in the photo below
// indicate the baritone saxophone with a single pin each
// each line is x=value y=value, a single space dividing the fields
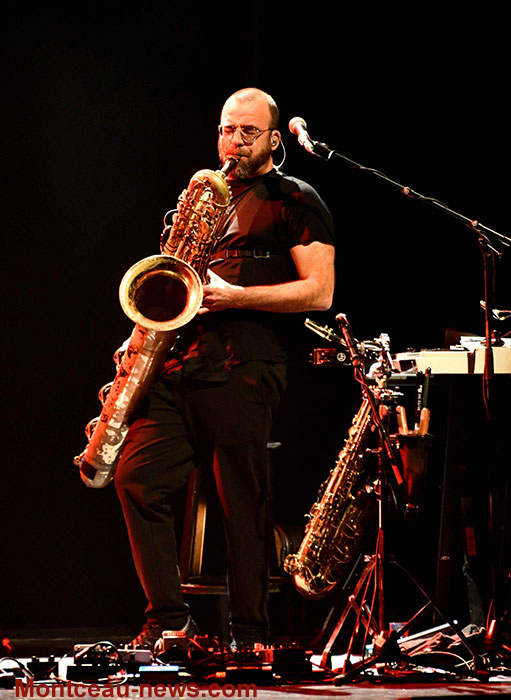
x=160 y=294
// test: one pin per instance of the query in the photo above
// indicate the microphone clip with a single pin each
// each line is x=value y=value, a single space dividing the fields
x=321 y=150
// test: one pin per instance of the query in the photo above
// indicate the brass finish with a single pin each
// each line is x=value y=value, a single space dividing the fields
x=336 y=519
x=160 y=294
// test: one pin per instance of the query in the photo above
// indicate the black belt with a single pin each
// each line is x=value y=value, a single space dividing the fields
x=222 y=254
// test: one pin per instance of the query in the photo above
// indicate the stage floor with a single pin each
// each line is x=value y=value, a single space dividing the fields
x=59 y=643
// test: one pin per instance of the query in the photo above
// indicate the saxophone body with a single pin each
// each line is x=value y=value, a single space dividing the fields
x=336 y=519
x=160 y=294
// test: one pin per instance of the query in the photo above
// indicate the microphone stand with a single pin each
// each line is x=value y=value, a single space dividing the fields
x=487 y=246
x=489 y=243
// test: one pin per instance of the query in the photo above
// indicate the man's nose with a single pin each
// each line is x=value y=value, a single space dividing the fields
x=238 y=138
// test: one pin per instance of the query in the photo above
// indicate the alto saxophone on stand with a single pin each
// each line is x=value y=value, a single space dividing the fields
x=160 y=294
x=337 y=518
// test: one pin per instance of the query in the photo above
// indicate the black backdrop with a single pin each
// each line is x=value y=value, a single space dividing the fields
x=106 y=113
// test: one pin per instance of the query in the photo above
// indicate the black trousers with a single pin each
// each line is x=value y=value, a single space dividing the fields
x=223 y=427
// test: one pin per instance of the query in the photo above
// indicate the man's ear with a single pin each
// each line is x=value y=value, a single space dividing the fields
x=275 y=139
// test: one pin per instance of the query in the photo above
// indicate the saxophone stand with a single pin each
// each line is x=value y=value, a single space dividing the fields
x=386 y=645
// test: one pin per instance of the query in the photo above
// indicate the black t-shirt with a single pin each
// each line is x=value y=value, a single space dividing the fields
x=269 y=215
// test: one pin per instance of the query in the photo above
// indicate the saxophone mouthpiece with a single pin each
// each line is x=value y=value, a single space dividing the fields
x=229 y=165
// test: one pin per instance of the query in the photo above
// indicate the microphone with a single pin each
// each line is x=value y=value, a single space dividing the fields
x=324 y=332
x=298 y=127
x=349 y=339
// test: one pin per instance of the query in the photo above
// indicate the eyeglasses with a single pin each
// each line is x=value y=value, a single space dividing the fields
x=249 y=134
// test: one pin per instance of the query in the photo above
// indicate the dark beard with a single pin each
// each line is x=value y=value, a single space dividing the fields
x=248 y=165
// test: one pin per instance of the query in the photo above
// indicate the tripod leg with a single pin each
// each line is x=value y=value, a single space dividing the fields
x=349 y=605
x=389 y=651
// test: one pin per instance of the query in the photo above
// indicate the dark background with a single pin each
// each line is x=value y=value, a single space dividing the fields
x=106 y=114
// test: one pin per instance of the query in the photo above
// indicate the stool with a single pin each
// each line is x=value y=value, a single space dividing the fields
x=193 y=582
x=193 y=539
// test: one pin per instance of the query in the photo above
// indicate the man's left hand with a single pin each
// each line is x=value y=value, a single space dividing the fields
x=218 y=294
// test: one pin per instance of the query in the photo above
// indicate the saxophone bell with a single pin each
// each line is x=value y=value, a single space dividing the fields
x=161 y=293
